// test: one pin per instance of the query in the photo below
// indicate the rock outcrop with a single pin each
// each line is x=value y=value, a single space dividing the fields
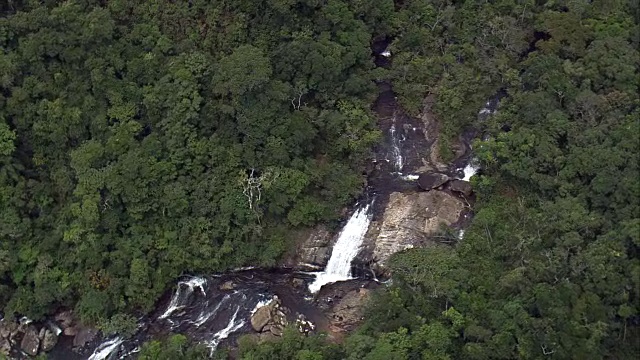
x=428 y=181
x=461 y=186
x=313 y=250
x=5 y=347
x=348 y=312
x=8 y=333
x=270 y=318
x=25 y=336
x=84 y=336
x=409 y=220
x=261 y=318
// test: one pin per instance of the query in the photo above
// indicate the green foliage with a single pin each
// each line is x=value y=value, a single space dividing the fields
x=141 y=141
x=7 y=137
x=293 y=346
x=549 y=267
x=175 y=347
x=121 y=324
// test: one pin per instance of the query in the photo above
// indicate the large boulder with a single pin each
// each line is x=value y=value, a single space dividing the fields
x=49 y=340
x=270 y=318
x=461 y=186
x=71 y=331
x=428 y=181
x=261 y=318
x=30 y=343
x=227 y=285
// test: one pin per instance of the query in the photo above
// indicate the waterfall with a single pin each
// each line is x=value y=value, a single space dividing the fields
x=470 y=170
x=185 y=288
x=105 y=349
x=344 y=250
x=396 y=151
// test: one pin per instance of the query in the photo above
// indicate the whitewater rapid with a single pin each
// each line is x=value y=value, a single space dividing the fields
x=106 y=348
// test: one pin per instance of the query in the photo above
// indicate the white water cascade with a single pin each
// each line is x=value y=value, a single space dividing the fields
x=105 y=349
x=396 y=146
x=344 y=250
x=185 y=288
x=205 y=315
x=470 y=170
x=232 y=326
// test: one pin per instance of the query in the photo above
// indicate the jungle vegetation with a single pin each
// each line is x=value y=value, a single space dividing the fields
x=140 y=140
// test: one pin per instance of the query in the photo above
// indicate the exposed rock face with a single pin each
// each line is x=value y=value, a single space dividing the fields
x=428 y=181
x=314 y=249
x=461 y=186
x=348 y=312
x=30 y=342
x=409 y=219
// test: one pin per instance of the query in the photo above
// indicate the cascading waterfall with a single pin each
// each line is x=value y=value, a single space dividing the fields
x=184 y=290
x=470 y=170
x=345 y=250
x=396 y=146
x=105 y=349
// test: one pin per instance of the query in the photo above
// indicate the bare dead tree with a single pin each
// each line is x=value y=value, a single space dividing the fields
x=253 y=185
x=252 y=189
x=545 y=351
x=297 y=103
x=438 y=17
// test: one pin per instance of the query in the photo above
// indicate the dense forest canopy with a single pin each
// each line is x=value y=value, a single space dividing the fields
x=141 y=140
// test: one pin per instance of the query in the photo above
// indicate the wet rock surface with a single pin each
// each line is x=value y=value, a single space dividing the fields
x=429 y=181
